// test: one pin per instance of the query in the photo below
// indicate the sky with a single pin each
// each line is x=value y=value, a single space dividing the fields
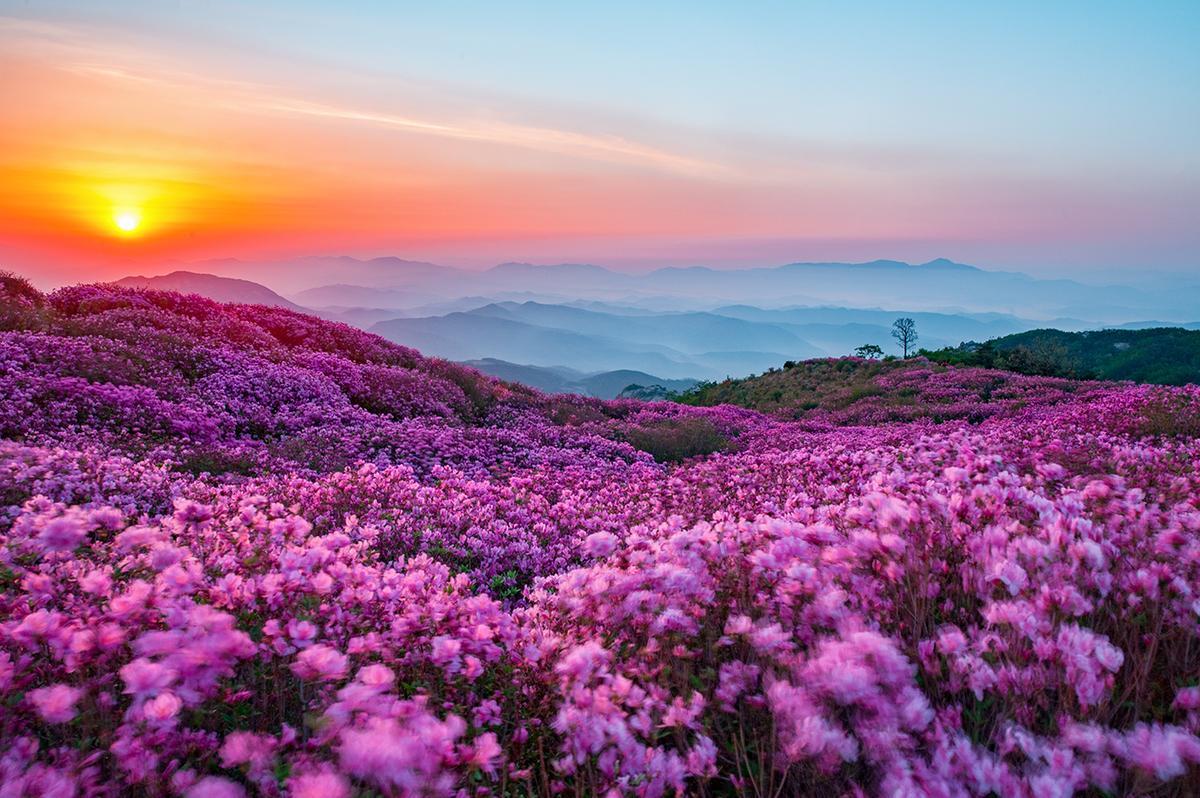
x=1052 y=138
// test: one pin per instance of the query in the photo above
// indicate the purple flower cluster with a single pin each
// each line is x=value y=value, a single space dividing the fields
x=248 y=552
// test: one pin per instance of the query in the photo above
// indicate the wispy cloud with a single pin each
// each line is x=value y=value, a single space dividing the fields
x=78 y=52
x=562 y=141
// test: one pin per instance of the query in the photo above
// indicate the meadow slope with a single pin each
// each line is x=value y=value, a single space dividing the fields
x=244 y=551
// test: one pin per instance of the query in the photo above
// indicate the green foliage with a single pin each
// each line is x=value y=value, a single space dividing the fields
x=1161 y=356
x=797 y=387
x=677 y=439
x=869 y=351
x=22 y=307
x=1171 y=416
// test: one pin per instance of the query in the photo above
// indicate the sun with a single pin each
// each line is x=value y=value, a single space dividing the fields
x=127 y=221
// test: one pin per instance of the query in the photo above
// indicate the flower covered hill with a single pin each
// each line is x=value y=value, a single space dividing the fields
x=858 y=391
x=247 y=552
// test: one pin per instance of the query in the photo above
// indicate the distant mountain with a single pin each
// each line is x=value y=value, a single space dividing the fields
x=355 y=296
x=560 y=379
x=474 y=336
x=839 y=330
x=674 y=345
x=548 y=379
x=686 y=332
x=220 y=289
x=939 y=285
x=297 y=274
x=610 y=384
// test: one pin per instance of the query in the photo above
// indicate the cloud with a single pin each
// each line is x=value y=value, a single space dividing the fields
x=562 y=141
x=80 y=52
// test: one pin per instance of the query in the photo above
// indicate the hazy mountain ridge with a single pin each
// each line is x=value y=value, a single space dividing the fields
x=550 y=326
x=561 y=379
x=219 y=289
x=931 y=286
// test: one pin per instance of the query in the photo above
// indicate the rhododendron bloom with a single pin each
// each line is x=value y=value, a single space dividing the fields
x=376 y=676
x=599 y=544
x=215 y=787
x=320 y=663
x=162 y=708
x=55 y=704
x=62 y=534
x=321 y=784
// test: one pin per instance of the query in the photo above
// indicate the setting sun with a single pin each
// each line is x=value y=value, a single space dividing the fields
x=127 y=221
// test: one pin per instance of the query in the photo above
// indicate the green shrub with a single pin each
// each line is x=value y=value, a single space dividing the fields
x=677 y=439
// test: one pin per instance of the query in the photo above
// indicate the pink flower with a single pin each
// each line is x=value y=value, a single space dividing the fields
x=62 y=534
x=242 y=748
x=599 y=544
x=446 y=653
x=1164 y=751
x=302 y=633
x=215 y=787
x=56 y=704
x=582 y=661
x=162 y=708
x=318 y=784
x=379 y=676
x=738 y=625
x=485 y=750
x=143 y=676
x=320 y=663
x=409 y=752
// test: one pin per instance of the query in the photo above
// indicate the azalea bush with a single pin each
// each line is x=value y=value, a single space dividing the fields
x=248 y=552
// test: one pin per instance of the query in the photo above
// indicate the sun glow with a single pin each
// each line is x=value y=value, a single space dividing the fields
x=127 y=221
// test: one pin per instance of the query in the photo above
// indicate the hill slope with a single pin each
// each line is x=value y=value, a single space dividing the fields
x=210 y=286
x=1164 y=356
x=247 y=551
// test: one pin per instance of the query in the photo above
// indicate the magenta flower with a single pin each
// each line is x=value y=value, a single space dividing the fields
x=215 y=787
x=163 y=708
x=320 y=663
x=55 y=704
x=62 y=534
x=318 y=784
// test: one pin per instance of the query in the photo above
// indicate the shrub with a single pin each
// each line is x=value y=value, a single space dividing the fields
x=677 y=439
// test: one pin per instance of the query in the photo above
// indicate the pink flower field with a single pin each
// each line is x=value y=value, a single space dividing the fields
x=244 y=551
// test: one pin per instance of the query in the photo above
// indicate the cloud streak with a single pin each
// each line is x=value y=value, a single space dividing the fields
x=561 y=141
x=75 y=52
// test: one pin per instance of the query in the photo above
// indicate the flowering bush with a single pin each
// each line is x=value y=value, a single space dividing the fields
x=248 y=552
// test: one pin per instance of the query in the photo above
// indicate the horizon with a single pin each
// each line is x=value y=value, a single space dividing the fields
x=634 y=139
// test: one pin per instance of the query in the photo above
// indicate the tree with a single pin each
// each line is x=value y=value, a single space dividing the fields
x=905 y=332
x=868 y=351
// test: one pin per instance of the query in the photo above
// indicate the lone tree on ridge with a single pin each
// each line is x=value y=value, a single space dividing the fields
x=905 y=332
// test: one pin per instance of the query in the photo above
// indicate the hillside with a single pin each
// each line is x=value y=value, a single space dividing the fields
x=210 y=286
x=245 y=551
x=1163 y=356
x=856 y=391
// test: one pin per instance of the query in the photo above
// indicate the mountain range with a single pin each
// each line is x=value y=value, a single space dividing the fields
x=939 y=285
x=669 y=324
x=560 y=379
